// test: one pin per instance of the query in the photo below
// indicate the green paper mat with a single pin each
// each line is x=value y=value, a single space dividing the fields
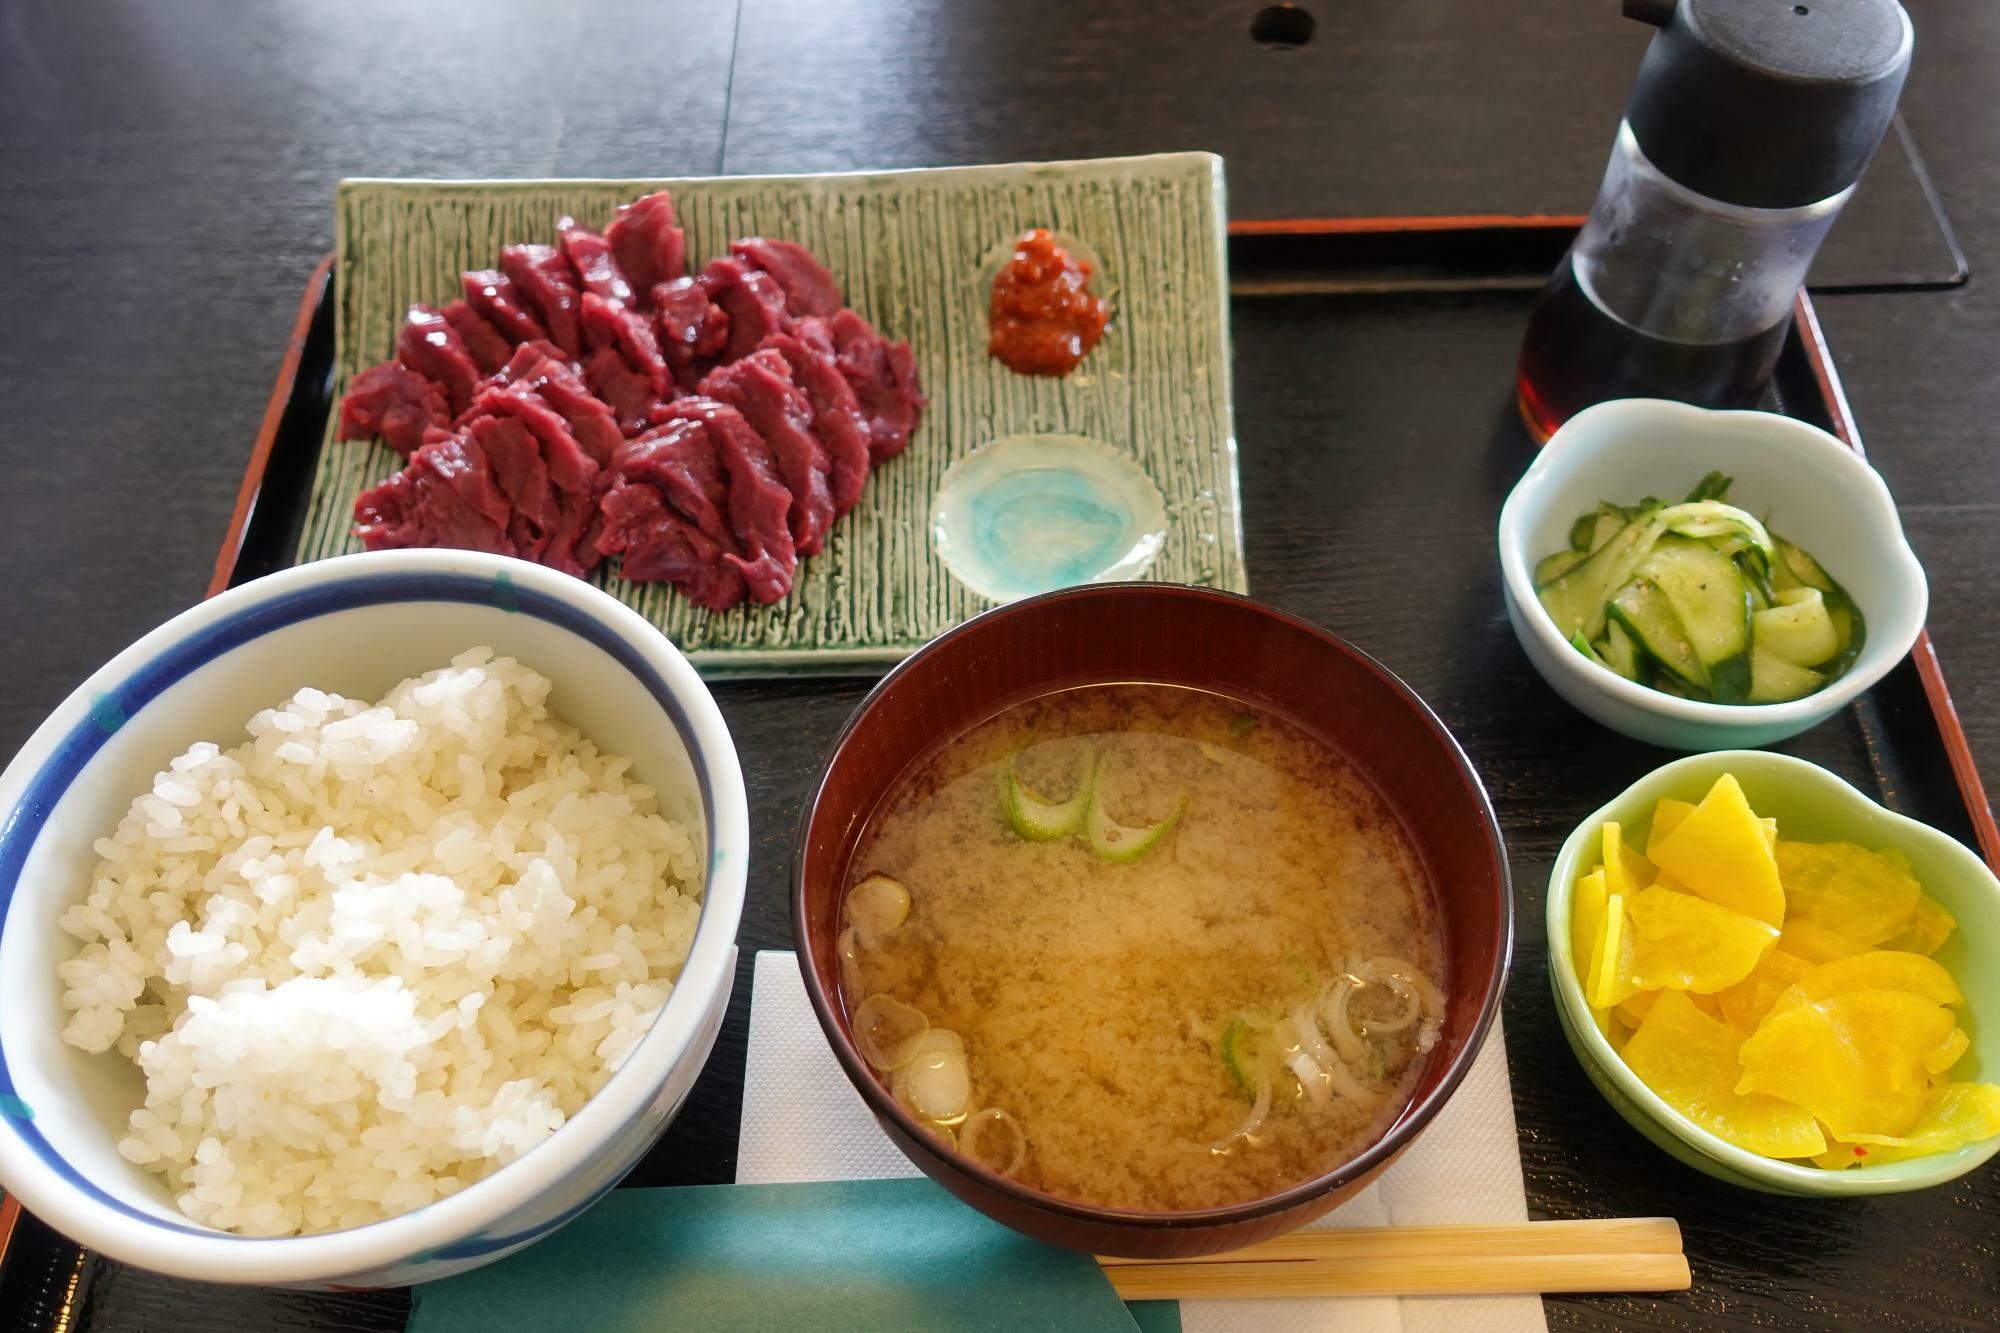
x=858 y=1254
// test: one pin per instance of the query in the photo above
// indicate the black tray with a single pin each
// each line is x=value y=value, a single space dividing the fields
x=1374 y=364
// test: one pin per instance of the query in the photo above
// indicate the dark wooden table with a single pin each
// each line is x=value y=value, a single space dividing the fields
x=166 y=173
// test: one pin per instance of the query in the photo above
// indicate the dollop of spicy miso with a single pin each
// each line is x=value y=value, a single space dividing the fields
x=1045 y=318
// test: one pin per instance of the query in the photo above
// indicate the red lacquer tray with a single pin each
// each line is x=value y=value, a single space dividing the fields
x=1348 y=332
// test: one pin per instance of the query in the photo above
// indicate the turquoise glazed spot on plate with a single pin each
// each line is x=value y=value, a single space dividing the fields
x=1028 y=514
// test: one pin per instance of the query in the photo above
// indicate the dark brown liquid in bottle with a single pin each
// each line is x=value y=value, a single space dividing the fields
x=1575 y=355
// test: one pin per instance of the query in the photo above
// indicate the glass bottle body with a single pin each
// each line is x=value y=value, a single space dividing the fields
x=1666 y=294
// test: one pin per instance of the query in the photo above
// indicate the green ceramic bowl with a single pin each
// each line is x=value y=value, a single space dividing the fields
x=1811 y=805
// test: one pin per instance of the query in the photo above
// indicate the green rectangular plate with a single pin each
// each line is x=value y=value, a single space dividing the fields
x=914 y=252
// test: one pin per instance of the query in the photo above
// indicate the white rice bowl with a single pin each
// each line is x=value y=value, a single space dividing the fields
x=377 y=951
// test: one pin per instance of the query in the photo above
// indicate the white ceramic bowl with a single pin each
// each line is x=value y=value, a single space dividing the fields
x=1807 y=485
x=355 y=625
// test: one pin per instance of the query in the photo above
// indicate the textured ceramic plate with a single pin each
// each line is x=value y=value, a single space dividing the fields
x=912 y=251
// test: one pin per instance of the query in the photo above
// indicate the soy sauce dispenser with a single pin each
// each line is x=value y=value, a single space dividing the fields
x=1750 y=122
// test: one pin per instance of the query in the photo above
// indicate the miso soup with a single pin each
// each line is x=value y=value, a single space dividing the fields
x=1143 y=947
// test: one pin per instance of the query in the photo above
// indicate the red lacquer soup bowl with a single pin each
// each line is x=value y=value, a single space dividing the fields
x=1228 y=645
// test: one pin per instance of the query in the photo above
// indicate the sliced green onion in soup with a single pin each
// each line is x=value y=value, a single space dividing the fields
x=875 y=907
x=1038 y=820
x=1409 y=1008
x=1314 y=1081
x=1121 y=843
x=886 y=1030
x=933 y=1079
x=993 y=1138
x=1260 y=1109
x=1306 y=1025
x=1340 y=1024
x=1393 y=970
x=1348 y=1084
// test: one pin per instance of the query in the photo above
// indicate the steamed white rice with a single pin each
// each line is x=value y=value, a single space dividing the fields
x=377 y=951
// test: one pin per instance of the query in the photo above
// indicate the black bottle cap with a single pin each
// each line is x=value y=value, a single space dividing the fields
x=1767 y=103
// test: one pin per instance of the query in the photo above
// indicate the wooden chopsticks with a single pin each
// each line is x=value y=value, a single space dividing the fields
x=1613 y=1254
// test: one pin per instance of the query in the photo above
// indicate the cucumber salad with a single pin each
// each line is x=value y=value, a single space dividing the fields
x=1700 y=600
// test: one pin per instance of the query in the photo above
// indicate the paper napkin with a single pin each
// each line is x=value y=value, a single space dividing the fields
x=803 y=1121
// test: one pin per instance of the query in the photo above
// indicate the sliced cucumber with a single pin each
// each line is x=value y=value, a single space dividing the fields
x=1121 y=843
x=1805 y=570
x=1756 y=571
x=1549 y=570
x=1798 y=569
x=1657 y=678
x=1620 y=653
x=1712 y=604
x=1848 y=627
x=1798 y=629
x=1773 y=680
x=1588 y=533
x=1782 y=577
x=1681 y=597
x=1656 y=628
x=1576 y=599
x=1604 y=524
x=1038 y=820
x=1709 y=520
x=1714 y=486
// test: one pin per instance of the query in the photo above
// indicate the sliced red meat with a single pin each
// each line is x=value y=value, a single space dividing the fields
x=545 y=279
x=680 y=459
x=760 y=387
x=615 y=324
x=488 y=349
x=624 y=390
x=836 y=414
x=571 y=361
x=445 y=497
x=646 y=242
x=590 y=255
x=576 y=536
x=883 y=376
x=394 y=402
x=589 y=419
x=663 y=513
x=693 y=329
x=809 y=289
x=758 y=500
x=554 y=503
x=750 y=297
x=526 y=361
x=495 y=486
x=493 y=295
x=657 y=545
x=542 y=368
x=570 y=468
x=429 y=345
x=518 y=470
x=520 y=361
